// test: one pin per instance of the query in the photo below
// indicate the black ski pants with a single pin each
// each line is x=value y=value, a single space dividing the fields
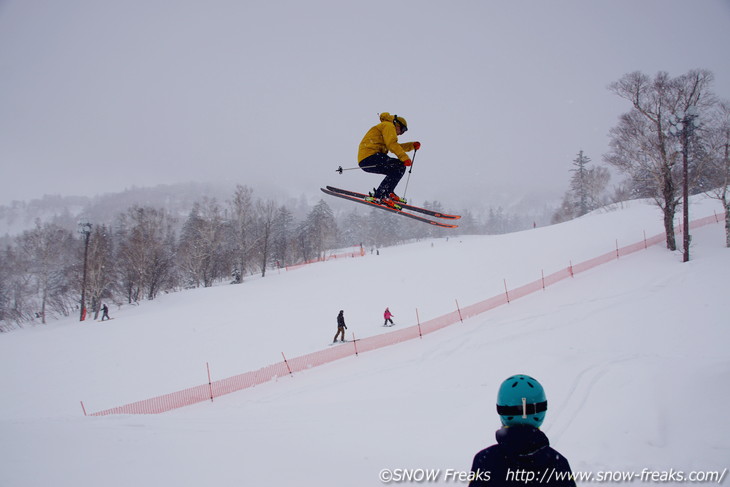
x=392 y=167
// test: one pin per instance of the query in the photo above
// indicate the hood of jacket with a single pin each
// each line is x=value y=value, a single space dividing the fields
x=521 y=440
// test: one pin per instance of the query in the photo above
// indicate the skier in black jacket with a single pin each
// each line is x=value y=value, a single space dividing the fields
x=341 y=326
x=522 y=454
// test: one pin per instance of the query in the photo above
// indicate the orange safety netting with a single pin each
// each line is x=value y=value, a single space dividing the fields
x=246 y=380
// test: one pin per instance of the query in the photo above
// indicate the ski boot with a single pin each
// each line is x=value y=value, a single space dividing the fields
x=394 y=201
x=371 y=197
x=391 y=201
x=397 y=198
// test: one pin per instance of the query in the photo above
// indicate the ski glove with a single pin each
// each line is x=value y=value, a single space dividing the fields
x=416 y=145
x=407 y=162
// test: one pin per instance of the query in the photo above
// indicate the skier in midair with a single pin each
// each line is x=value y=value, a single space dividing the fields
x=522 y=454
x=372 y=157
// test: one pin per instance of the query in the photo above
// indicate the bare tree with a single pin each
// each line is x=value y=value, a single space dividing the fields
x=5 y=300
x=719 y=154
x=241 y=222
x=101 y=273
x=202 y=251
x=46 y=251
x=146 y=251
x=283 y=236
x=642 y=145
x=16 y=296
x=266 y=212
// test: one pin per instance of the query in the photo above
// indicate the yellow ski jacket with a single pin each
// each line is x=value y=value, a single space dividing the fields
x=383 y=138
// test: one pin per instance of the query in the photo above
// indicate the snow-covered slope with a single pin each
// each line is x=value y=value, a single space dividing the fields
x=633 y=356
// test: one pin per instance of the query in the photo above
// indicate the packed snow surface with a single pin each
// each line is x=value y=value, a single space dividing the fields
x=633 y=356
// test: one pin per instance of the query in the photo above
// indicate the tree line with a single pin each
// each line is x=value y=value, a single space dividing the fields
x=148 y=250
x=672 y=121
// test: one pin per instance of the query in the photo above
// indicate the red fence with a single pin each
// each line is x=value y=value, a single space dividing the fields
x=358 y=251
x=207 y=392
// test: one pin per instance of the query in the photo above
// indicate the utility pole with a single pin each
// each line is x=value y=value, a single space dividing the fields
x=684 y=124
x=85 y=229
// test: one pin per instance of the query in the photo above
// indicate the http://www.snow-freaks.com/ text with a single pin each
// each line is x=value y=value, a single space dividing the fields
x=424 y=475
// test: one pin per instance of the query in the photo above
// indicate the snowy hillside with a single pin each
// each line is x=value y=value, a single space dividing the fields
x=627 y=353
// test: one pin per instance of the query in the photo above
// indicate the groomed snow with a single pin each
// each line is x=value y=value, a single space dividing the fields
x=633 y=356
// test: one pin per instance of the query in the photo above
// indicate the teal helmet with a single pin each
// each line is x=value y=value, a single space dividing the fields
x=521 y=400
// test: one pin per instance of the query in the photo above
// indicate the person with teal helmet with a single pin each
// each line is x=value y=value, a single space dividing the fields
x=522 y=454
x=521 y=400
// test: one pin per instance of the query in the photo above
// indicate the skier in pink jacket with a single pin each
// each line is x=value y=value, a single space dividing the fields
x=388 y=317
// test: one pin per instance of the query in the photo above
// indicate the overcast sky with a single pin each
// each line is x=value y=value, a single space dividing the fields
x=99 y=95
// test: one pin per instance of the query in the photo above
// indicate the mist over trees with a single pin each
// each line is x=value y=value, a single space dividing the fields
x=167 y=241
x=145 y=250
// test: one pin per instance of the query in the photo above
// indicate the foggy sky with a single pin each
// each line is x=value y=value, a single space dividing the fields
x=98 y=95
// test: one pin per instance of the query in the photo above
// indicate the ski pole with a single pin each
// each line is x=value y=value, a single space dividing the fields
x=340 y=169
x=408 y=180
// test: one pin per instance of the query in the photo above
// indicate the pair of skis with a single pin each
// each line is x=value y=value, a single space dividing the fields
x=407 y=211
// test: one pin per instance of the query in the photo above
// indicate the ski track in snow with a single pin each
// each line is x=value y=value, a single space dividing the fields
x=625 y=351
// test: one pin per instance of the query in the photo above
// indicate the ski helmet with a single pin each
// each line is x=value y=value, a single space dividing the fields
x=401 y=121
x=521 y=400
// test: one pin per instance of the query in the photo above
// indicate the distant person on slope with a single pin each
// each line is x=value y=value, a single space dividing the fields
x=341 y=327
x=388 y=317
x=372 y=157
x=522 y=454
x=105 y=312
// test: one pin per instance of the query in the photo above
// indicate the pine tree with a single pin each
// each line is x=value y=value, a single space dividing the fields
x=320 y=229
x=282 y=236
x=579 y=182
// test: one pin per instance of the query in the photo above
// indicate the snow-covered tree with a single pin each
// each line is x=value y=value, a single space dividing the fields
x=242 y=215
x=320 y=230
x=283 y=236
x=47 y=251
x=642 y=144
x=587 y=186
x=266 y=216
x=16 y=289
x=101 y=276
x=145 y=252
x=201 y=251
x=719 y=156
x=353 y=229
